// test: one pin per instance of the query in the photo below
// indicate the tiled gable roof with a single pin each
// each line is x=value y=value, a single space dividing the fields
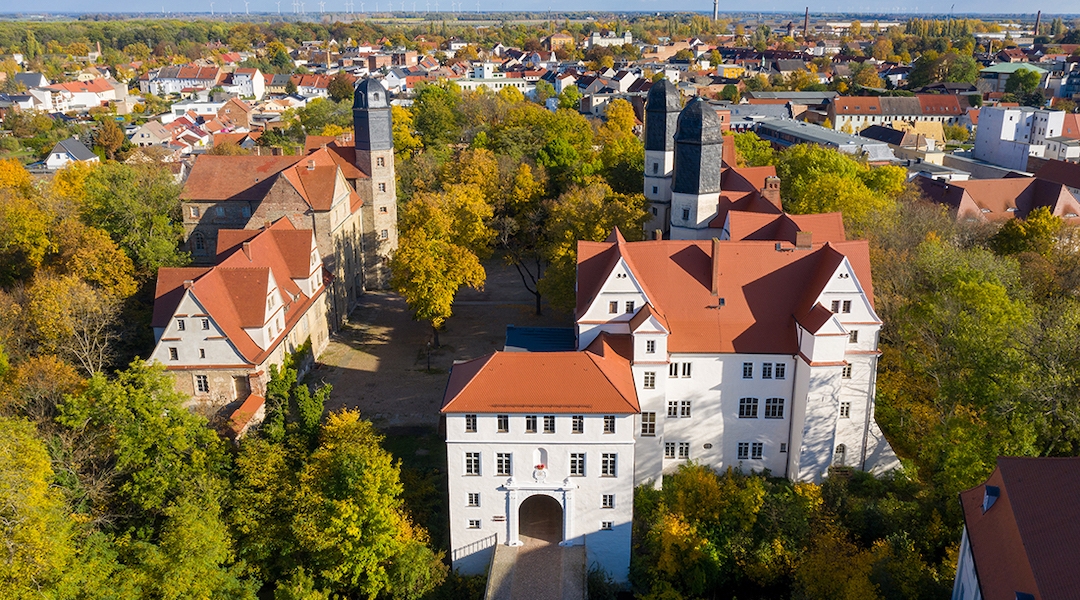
x=233 y=292
x=233 y=177
x=825 y=227
x=765 y=291
x=1026 y=540
x=593 y=381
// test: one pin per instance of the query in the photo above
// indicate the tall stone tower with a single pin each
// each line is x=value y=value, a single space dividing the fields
x=661 y=116
x=375 y=156
x=695 y=190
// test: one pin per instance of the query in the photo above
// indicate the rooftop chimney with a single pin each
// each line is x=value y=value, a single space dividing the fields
x=658 y=234
x=804 y=240
x=311 y=165
x=715 y=267
x=247 y=250
x=806 y=24
x=188 y=283
x=771 y=192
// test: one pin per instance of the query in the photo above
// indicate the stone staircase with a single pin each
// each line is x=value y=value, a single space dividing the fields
x=537 y=570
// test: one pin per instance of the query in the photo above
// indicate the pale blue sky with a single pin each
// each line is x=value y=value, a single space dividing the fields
x=225 y=6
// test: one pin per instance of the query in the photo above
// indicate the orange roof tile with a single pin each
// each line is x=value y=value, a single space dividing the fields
x=234 y=291
x=825 y=227
x=765 y=291
x=520 y=382
x=233 y=177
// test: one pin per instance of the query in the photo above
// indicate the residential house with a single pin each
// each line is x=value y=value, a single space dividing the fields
x=998 y=200
x=178 y=79
x=218 y=329
x=1020 y=528
x=851 y=114
x=69 y=151
x=559 y=40
x=31 y=80
x=247 y=83
x=151 y=133
x=609 y=38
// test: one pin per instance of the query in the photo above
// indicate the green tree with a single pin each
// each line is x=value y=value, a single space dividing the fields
x=570 y=98
x=139 y=206
x=436 y=113
x=753 y=151
x=730 y=93
x=1022 y=81
x=587 y=213
x=340 y=87
x=290 y=87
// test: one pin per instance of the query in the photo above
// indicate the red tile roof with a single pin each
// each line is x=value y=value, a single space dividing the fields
x=1026 y=541
x=234 y=291
x=825 y=227
x=857 y=105
x=1059 y=171
x=1003 y=199
x=597 y=380
x=95 y=86
x=765 y=291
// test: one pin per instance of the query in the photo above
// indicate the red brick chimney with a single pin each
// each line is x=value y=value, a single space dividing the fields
x=771 y=192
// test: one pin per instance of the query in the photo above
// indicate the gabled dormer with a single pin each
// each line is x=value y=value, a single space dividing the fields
x=649 y=330
x=845 y=297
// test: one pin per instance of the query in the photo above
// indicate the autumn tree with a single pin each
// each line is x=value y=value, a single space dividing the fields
x=109 y=137
x=441 y=237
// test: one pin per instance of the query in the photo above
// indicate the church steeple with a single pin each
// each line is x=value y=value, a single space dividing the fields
x=661 y=115
x=374 y=155
x=699 y=148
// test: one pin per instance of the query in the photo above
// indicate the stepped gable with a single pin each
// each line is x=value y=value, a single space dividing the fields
x=765 y=290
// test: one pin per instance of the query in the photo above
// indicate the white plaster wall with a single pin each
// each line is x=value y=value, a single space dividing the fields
x=966 y=583
x=188 y=342
x=702 y=210
x=583 y=500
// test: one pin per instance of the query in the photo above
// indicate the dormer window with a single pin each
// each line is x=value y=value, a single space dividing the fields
x=990 y=496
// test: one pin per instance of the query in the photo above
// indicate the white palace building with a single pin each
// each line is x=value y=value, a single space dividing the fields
x=756 y=349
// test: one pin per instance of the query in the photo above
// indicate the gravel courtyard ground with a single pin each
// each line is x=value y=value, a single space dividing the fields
x=378 y=362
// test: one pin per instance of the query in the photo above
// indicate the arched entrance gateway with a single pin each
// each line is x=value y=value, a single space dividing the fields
x=541 y=517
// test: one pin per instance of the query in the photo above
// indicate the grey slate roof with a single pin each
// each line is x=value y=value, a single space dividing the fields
x=31 y=80
x=75 y=148
x=699 y=124
x=900 y=105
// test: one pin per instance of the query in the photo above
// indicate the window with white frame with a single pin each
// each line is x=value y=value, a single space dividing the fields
x=853 y=337
x=846 y=372
x=774 y=408
x=503 y=461
x=650 y=346
x=673 y=370
x=174 y=354
x=650 y=380
x=206 y=324
x=684 y=409
x=669 y=450
x=686 y=369
x=684 y=450
x=766 y=370
x=648 y=423
x=744 y=450
x=835 y=306
x=578 y=422
x=202 y=352
x=779 y=370
x=180 y=326
x=470 y=423
x=577 y=464
x=503 y=422
x=845 y=410
x=202 y=384
x=756 y=450
x=673 y=409
x=530 y=424
x=474 y=498
x=472 y=463
x=748 y=408
x=549 y=423
x=474 y=523
x=846 y=307
x=608 y=465
x=613 y=307
x=607 y=525
x=607 y=501
x=629 y=306
x=748 y=370
x=609 y=423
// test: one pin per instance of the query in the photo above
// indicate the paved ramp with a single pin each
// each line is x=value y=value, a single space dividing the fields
x=537 y=570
